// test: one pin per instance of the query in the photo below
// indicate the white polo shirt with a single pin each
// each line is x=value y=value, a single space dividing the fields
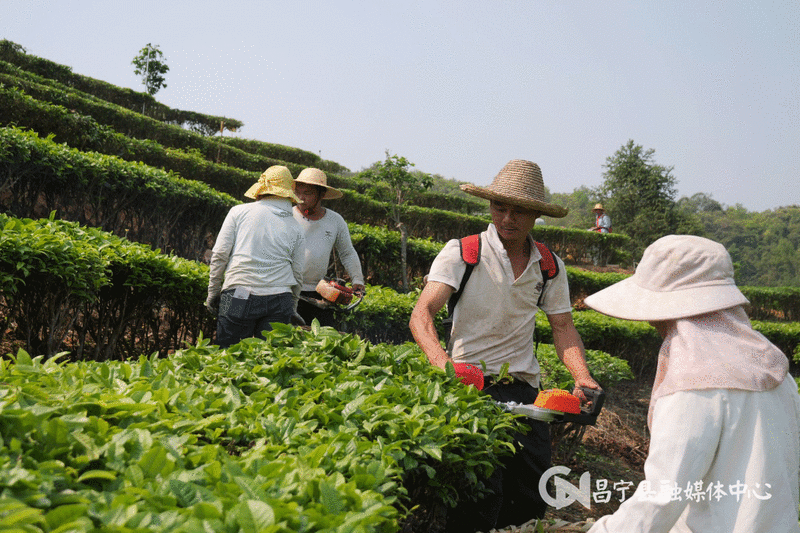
x=495 y=317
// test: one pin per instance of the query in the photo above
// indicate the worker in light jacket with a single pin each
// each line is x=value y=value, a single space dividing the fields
x=724 y=441
x=256 y=269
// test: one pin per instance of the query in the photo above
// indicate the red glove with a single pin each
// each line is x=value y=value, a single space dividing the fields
x=469 y=374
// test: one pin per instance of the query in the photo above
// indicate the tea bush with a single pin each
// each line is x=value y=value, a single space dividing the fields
x=305 y=431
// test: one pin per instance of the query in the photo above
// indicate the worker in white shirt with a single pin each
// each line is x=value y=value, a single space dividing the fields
x=724 y=449
x=324 y=230
x=256 y=268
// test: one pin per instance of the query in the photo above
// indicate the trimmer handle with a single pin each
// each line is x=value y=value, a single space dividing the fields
x=588 y=414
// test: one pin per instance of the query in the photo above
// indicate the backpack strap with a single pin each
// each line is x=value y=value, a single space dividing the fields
x=549 y=267
x=471 y=255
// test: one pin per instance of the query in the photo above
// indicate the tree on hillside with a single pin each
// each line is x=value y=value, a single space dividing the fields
x=639 y=195
x=151 y=66
x=579 y=203
x=395 y=172
x=699 y=203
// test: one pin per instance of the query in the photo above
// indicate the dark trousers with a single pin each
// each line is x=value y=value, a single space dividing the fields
x=235 y=323
x=515 y=485
x=309 y=311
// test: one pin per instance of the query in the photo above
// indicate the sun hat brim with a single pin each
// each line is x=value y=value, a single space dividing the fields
x=628 y=301
x=276 y=181
x=331 y=193
x=544 y=208
x=257 y=190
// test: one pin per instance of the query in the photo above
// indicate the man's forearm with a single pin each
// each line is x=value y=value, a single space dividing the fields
x=424 y=332
x=569 y=347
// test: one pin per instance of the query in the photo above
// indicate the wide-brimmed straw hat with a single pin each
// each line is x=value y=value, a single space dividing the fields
x=520 y=184
x=314 y=176
x=276 y=180
x=679 y=276
x=598 y=207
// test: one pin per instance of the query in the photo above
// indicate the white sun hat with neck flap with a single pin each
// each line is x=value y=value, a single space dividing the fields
x=679 y=276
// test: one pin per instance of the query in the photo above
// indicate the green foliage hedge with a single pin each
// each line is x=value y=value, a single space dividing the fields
x=128 y=199
x=65 y=286
x=773 y=303
x=284 y=153
x=306 y=431
x=135 y=125
x=206 y=124
x=84 y=133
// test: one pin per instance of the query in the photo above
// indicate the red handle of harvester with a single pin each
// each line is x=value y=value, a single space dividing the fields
x=469 y=374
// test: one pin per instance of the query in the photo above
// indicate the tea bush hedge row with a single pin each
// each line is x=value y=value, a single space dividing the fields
x=65 y=286
x=138 y=126
x=638 y=343
x=129 y=199
x=75 y=118
x=306 y=431
x=66 y=283
x=82 y=132
x=206 y=124
x=773 y=303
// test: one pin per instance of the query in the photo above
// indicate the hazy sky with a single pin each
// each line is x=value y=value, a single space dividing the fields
x=459 y=88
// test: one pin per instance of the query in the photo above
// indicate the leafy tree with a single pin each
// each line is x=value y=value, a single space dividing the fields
x=699 y=203
x=151 y=66
x=579 y=202
x=639 y=195
x=395 y=172
x=765 y=247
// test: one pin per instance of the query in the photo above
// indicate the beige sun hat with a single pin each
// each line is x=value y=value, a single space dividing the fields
x=275 y=180
x=520 y=183
x=314 y=176
x=598 y=207
x=679 y=276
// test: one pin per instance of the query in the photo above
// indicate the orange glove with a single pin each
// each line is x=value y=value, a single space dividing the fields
x=469 y=374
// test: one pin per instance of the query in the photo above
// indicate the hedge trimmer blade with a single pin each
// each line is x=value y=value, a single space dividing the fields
x=586 y=416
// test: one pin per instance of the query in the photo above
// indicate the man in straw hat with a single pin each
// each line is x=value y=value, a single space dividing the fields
x=323 y=230
x=493 y=323
x=259 y=254
x=602 y=223
x=724 y=442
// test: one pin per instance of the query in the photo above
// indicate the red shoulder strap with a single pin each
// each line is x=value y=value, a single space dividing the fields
x=548 y=262
x=471 y=254
x=471 y=249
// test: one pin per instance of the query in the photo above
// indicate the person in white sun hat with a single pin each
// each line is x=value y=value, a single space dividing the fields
x=324 y=230
x=256 y=268
x=724 y=442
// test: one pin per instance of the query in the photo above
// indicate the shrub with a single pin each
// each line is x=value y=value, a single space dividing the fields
x=305 y=431
x=103 y=296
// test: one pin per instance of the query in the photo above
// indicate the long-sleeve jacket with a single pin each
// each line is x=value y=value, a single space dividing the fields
x=260 y=246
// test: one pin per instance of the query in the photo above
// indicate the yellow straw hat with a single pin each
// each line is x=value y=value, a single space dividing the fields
x=598 y=207
x=314 y=176
x=276 y=180
x=520 y=184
